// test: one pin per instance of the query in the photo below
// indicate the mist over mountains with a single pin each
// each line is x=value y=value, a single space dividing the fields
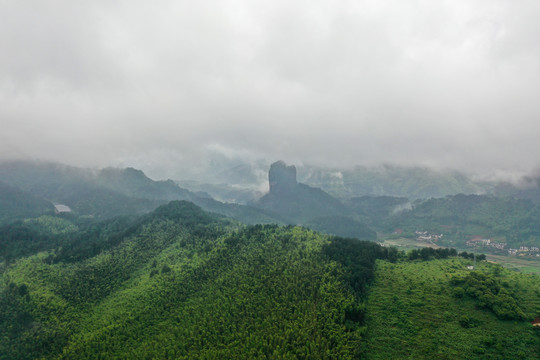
x=269 y=180
x=245 y=180
x=447 y=84
x=352 y=203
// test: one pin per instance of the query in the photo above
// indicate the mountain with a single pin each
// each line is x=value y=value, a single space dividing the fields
x=294 y=200
x=528 y=188
x=183 y=283
x=377 y=209
x=111 y=192
x=74 y=187
x=342 y=183
x=306 y=205
x=387 y=180
x=17 y=204
x=134 y=183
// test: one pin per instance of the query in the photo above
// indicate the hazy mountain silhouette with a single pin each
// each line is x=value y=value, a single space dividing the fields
x=18 y=204
x=306 y=205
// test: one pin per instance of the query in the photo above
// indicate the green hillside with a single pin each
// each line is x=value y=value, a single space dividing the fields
x=24 y=238
x=423 y=310
x=182 y=283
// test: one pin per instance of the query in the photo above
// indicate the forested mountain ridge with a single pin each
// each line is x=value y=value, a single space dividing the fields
x=74 y=187
x=111 y=192
x=182 y=283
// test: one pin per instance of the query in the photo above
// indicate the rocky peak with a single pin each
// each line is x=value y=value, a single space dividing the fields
x=281 y=177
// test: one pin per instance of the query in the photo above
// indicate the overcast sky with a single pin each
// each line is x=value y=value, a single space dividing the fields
x=163 y=84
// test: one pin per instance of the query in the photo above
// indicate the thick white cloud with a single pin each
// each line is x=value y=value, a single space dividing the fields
x=441 y=83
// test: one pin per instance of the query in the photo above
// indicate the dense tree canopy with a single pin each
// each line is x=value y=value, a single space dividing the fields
x=183 y=283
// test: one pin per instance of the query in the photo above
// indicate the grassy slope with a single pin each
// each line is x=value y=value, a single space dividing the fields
x=412 y=314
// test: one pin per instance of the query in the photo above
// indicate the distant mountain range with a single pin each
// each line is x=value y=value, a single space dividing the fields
x=111 y=192
x=515 y=222
x=242 y=182
x=18 y=204
x=28 y=189
x=410 y=182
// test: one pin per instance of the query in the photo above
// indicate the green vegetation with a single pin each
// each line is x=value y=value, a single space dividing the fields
x=101 y=195
x=70 y=237
x=489 y=293
x=376 y=209
x=417 y=310
x=517 y=263
x=182 y=283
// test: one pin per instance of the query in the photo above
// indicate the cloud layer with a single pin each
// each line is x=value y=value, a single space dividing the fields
x=437 y=83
